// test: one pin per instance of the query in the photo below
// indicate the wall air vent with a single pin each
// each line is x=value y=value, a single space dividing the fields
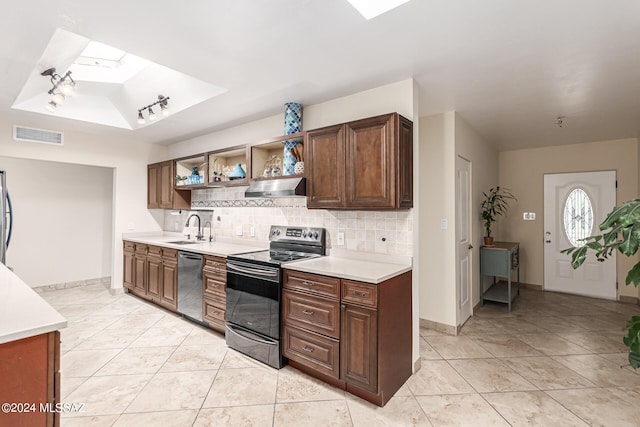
x=22 y=133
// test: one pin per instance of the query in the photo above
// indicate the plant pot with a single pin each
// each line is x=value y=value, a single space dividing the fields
x=488 y=241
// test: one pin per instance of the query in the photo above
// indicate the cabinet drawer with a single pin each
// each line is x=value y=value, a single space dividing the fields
x=360 y=293
x=170 y=253
x=213 y=286
x=312 y=283
x=129 y=246
x=141 y=248
x=212 y=311
x=216 y=266
x=316 y=351
x=317 y=314
x=155 y=250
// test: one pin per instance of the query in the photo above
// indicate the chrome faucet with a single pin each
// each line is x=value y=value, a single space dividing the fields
x=199 y=236
x=210 y=235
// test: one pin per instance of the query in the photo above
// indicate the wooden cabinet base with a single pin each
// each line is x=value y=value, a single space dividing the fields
x=30 y=374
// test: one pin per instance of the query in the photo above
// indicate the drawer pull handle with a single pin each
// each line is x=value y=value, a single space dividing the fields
x=359 y=294
x=307 y=349
x=308 y=312
x=305 y=283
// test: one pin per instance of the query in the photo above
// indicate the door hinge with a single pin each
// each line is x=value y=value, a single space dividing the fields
x=616 y=284
x=616 y=183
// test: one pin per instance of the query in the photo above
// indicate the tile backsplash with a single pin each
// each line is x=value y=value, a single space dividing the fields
x=228 y=210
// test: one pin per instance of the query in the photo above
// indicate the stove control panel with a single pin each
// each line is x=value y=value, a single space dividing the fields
x=298 y=234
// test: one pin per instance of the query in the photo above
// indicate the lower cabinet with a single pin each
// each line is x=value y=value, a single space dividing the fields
x=214 y=291
x=351 y=334
x=30 y=373
x=151 y=272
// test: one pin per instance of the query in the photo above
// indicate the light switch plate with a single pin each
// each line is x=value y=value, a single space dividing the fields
x=252 y=231
x=444 y=224
x=529 y=216
x=239 y=230
x=340 y=238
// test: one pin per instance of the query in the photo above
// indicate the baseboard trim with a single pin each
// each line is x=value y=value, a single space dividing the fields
x=417 y=365
x=629 y=300
x=440 y=327
x=104 y=281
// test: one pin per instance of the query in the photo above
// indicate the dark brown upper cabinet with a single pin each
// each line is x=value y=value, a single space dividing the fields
x=161 y=191
x=364 y=164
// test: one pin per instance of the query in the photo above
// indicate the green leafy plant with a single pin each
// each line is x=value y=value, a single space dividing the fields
x=621 y=232
x=495 y=203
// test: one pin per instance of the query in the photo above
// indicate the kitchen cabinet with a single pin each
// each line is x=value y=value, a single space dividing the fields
x=214 y=292
x=221 y=162
x=364 y=164
x=161 y=192
x=129 y=265
x=151 y=272
x=169 y=278
x=30 y=372
x=268 y=152
x=354 y=335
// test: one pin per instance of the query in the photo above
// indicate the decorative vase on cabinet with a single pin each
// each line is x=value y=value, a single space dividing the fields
x=292 y=124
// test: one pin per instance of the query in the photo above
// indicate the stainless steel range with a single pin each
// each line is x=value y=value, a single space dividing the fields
x=254 y=290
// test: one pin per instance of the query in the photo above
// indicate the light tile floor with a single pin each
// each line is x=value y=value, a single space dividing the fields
x=555 y=360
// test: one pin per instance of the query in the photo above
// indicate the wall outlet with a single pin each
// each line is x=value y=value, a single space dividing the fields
x=131 y=226
x=252 y=231
x=444 y=224
x=239 y=230
x=340 y=238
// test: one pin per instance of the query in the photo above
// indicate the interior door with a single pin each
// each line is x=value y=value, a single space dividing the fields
x=575 y=204
x=463 y=237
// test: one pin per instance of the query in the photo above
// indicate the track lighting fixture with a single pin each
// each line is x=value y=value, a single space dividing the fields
x=63 y=86
x=164 y=108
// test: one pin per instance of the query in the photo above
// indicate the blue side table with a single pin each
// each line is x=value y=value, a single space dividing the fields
x=500 y=260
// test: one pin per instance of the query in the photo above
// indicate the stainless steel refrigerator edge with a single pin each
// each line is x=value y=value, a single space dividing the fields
x=190 y=285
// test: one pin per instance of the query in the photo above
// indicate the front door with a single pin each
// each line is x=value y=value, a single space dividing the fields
x=463 y=237
x=575 y=204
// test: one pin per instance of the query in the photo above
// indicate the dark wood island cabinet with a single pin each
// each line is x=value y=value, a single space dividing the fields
x=354 y=335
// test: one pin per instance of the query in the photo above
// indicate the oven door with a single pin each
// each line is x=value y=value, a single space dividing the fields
x=253 y=297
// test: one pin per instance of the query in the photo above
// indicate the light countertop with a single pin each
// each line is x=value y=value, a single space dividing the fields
x=23 y=313
x=349 y=268
x=220 y=247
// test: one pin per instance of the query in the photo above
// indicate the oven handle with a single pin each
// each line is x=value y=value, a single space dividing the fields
x=273 y=274
x=249 y=336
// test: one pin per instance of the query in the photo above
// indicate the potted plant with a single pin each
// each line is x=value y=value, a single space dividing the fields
x=622 y=232
x=495 y=203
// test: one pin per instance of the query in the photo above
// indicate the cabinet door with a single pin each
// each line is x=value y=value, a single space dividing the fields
x=154 y=276
x=169 y=289
x=370 y=169
x=405 y=163
x=129 y=270
x=359 y=347
x=166 y=180
x=324 y=166
x=153 y=179
x=140 y=274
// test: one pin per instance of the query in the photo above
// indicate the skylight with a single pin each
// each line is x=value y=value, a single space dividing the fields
x=372 y=8
x=98 y=54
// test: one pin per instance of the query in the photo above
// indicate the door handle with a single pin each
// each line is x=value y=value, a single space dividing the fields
x=470 y=246
x=547 y=241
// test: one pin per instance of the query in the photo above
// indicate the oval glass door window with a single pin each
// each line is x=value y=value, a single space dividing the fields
x=578 y=217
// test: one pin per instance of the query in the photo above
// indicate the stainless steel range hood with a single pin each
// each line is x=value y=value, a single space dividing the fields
x=281 y=187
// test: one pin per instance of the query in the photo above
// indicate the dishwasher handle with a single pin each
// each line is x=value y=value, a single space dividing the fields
x=187 y=255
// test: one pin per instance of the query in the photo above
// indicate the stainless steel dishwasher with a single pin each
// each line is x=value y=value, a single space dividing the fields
x=190 y=285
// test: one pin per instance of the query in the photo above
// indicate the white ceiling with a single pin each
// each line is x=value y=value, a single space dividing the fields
x=508 y=68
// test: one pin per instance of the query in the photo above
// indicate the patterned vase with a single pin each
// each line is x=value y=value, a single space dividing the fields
x=292 y=124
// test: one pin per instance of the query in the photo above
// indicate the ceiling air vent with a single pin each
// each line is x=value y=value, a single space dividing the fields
x=21 y=133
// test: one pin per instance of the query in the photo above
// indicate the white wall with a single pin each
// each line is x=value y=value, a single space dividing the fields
x=125 y=155
x=484 y=175
x=437 y=201
x=67 y=209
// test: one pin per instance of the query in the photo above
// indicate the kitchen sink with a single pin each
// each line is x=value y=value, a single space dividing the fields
x=183 y=242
